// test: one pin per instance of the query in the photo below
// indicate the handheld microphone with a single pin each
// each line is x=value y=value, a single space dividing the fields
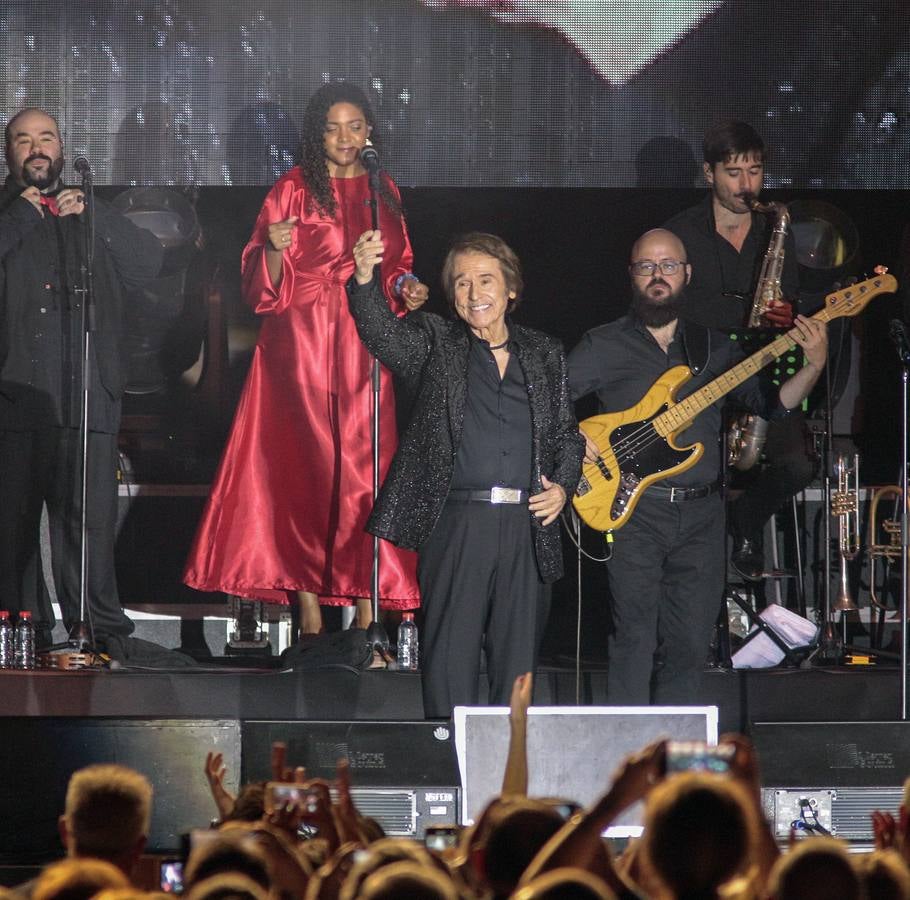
x=898 y=333
x=369 y=158
x=82 y=166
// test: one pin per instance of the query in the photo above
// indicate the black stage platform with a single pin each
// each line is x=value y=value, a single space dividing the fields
x=742 y=697
x=833 y=731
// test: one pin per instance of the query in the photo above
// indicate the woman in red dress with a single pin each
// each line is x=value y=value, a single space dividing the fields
x=292 y=494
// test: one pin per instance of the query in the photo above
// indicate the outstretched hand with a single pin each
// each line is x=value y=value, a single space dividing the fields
x=215 y=771
x=520 y=699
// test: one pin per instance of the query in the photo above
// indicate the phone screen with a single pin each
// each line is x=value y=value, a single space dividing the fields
x=440 y=837
x=171 y=876
x=697 y=756
x=279 y=794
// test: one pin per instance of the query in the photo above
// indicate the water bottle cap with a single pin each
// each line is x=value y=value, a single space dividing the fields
x=408 y=616
x=4 y=613
x=25 y=614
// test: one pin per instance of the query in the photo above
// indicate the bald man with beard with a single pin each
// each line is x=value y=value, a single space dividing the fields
x=666 y=573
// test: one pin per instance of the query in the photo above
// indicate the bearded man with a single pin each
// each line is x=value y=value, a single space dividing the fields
x=666 y=572
x=42 y=319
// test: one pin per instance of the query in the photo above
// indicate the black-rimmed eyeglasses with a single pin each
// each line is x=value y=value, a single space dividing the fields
x=646 y=267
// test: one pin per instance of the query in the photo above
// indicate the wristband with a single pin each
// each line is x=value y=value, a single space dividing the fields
x=400 y=280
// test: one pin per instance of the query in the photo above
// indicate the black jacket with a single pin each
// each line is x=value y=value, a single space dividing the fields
x=431 y=353
x=39 y=271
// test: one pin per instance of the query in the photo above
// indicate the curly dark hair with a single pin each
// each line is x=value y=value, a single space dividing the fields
x=312 y=149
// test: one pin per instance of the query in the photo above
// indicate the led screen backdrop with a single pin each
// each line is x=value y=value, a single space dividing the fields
x=471 y=92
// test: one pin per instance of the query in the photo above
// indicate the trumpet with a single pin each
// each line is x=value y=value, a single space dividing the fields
x=845 y=506
x=884 y=537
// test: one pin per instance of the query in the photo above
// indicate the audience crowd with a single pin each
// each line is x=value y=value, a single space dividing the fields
x=705 y=836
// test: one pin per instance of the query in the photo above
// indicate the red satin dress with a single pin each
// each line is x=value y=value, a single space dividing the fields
x=294 y=489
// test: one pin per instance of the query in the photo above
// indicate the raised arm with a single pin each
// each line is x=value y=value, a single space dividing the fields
x=399 y=344
x=578 y=842
x=515 y=777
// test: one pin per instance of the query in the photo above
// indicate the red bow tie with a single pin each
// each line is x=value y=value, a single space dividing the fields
x=51 y=204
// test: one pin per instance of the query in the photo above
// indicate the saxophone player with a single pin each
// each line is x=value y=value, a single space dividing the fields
x=727 y=240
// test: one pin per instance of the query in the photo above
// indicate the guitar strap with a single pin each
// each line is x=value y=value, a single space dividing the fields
x=697 y=346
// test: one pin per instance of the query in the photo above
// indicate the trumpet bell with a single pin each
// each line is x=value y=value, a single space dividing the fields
x=845 y=603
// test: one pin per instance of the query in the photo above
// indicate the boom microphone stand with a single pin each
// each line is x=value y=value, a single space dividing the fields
x=377 y=638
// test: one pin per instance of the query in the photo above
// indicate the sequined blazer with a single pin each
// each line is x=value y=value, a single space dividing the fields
x=431 y=354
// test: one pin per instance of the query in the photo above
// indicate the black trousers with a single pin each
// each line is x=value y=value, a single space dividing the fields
x=666 y=579
x=480 y=589
x=38 y=467
x=786 y=470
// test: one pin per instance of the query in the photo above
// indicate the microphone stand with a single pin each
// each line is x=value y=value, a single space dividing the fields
x=831 y=644
x=899 y=336
x=377 y=637
x=905 y=533
x=81 y=634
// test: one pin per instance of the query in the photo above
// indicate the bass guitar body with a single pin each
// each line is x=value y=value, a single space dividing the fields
x=633 y=454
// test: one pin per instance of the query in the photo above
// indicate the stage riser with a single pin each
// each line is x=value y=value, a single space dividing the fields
x=404 y=773
x=332 y=693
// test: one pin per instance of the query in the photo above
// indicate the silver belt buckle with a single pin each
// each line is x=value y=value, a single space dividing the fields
x=505 y=495
x=673 y=494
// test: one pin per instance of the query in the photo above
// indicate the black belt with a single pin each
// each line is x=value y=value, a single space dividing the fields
x=495 y=495
x=680 y=495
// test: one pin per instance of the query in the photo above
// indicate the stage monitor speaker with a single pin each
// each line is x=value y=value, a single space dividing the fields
x=41 y=754
x=833 y=774
x=403 y=774
x=573 y=752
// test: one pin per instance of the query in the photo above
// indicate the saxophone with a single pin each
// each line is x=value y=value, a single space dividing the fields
x=747 y=434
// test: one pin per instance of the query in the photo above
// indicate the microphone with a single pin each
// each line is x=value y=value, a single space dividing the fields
x=369 y=158
x=82 y=167
x=898 y=332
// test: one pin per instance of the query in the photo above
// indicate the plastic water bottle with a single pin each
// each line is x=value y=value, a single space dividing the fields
x=407 y=644
x=25 y=642
x=6 y=641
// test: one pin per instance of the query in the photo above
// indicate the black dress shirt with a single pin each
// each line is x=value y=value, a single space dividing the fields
x=718 y=269
x=495 y=446
x=620 y=361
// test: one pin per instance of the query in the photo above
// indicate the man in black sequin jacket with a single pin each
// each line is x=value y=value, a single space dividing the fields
x=492 y=418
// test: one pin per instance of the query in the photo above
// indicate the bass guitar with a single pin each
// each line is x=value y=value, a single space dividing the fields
x=637 y=447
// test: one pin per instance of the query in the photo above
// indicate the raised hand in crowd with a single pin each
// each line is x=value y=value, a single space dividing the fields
x=515 y=777
x=215 y=771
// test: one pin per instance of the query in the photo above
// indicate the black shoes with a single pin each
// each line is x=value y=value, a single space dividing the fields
x=748 y=560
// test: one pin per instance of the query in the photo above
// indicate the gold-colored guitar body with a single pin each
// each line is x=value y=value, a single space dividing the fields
x=650 y=454
x=638 y=446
